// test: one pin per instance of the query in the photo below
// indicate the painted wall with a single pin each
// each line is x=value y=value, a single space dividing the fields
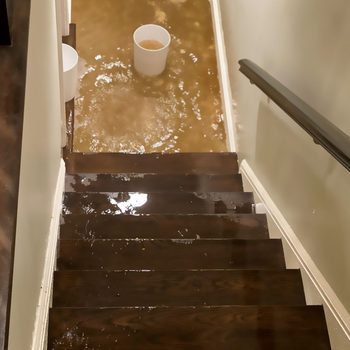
x=305 y=45
x=40 y=162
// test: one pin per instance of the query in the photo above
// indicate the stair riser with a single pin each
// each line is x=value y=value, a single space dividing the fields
x=161 y=203
x=159 y=163
x=238 y=226
x=153 y=183
x=225 y=328
x=170 y=254
x=192 y=288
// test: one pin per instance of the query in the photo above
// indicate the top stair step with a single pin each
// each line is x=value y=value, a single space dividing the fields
x=152 y=163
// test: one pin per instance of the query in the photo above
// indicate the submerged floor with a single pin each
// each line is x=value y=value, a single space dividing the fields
x=117 y=110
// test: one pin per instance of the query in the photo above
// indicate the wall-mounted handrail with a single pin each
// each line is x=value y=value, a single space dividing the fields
x=324 y=133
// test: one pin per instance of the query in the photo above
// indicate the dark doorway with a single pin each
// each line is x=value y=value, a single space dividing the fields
x=5 y=38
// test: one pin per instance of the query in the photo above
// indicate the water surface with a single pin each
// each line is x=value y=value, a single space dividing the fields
x=119 y=111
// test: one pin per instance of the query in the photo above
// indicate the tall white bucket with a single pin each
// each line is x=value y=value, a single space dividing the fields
x=151 y=62
x=70 y=71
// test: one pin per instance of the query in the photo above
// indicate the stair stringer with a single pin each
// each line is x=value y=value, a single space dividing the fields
x=39 y=340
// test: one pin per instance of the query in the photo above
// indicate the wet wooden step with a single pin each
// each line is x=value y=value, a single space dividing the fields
x=160 y=163
x=162 y=203
x=176 y=254
x=177 y=288
x=205 y=328
x=153 y=183
x=238 y=226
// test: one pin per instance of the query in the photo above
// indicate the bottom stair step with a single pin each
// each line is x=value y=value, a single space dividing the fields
x=222 y=328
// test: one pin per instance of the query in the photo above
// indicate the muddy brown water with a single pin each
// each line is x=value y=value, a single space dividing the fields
x=151 y=44
x=119 y=111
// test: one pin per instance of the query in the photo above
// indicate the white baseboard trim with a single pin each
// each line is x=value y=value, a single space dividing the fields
x=41 y=322
x=317 y=289
x=224 y=79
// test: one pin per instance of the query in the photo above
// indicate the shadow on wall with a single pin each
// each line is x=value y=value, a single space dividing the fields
x=280 y=149
x=317 y=204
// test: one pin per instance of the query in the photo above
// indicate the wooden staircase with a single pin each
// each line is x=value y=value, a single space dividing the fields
x=163 y=252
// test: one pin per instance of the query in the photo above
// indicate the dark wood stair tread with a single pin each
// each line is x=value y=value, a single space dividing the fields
x=238 y=226
x=153 y=183
x=160 y=163
x=163 y=203
x=177 y=288
x=162 y=252
x=176 y=254
x=205 y=328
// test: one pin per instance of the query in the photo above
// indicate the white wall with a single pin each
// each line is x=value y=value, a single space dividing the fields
x=40 y=163
x=305 y=45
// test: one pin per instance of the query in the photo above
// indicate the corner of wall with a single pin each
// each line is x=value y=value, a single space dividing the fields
x=224 y=80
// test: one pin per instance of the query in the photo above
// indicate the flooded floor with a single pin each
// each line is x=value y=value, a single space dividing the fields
x=117 y=110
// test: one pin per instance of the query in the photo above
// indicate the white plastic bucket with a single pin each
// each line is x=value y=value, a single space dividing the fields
x=70 y=71
x=151 y=62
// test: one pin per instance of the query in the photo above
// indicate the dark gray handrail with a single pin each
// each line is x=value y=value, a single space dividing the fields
x=324 y=133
